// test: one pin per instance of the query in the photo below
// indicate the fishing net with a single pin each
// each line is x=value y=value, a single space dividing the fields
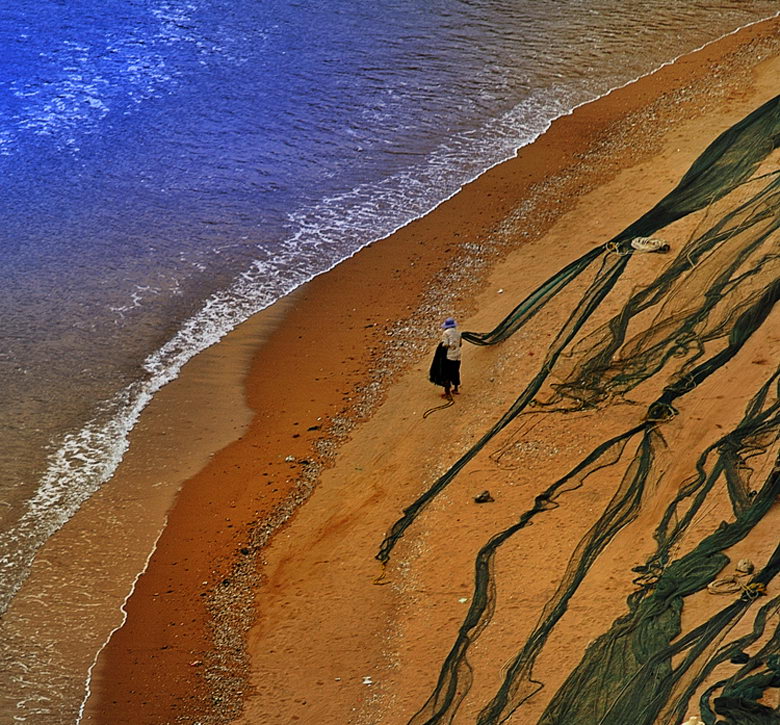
x=676 y=332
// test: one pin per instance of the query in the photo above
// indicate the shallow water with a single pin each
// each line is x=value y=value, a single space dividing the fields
x=171 y=168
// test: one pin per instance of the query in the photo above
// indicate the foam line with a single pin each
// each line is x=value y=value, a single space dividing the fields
x=123 y=609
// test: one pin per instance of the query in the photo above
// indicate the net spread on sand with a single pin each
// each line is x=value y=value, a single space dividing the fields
x=679 y=329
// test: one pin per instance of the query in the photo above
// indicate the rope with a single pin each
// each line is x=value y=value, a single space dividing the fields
x=449 y=402
x=736 y=583
x=380 y=581
x=726 y=585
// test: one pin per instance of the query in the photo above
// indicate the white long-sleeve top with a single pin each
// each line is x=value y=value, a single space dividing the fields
x=451 y=340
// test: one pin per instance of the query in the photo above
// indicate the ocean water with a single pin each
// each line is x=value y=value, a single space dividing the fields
x=170 y=168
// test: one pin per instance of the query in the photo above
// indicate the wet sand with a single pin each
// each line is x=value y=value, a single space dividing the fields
x=259 y=602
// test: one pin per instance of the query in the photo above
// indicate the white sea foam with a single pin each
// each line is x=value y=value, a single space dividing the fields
x=137 y=296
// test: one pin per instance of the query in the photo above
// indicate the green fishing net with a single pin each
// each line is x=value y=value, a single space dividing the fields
x=711 y=299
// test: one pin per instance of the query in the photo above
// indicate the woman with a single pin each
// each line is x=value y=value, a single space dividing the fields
x=445 y=369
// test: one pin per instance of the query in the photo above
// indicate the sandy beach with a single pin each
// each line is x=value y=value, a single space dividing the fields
x=263 y=602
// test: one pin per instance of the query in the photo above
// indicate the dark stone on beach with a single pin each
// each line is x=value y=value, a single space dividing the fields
x=484 y=497
x=314 y=427
x=740 y=658
x=225 y=582
x=244 y=551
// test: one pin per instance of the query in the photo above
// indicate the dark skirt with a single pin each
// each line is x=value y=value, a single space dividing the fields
x=444 y=372
x=452 y=372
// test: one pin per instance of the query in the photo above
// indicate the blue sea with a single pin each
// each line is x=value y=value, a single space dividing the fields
x=169 y=169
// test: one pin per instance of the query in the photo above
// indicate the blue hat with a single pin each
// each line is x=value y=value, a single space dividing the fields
x=449 y=323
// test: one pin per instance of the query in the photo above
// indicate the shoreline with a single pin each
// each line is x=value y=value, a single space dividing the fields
x=116 y=530
x=324 y=304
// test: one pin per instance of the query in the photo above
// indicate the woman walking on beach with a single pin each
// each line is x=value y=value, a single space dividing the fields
x=446 y=364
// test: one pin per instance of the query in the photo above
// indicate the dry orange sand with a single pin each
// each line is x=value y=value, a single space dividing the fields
x=339 y=389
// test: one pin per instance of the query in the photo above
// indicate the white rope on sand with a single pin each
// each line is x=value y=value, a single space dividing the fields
x=733 y=583
x=649 y=244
